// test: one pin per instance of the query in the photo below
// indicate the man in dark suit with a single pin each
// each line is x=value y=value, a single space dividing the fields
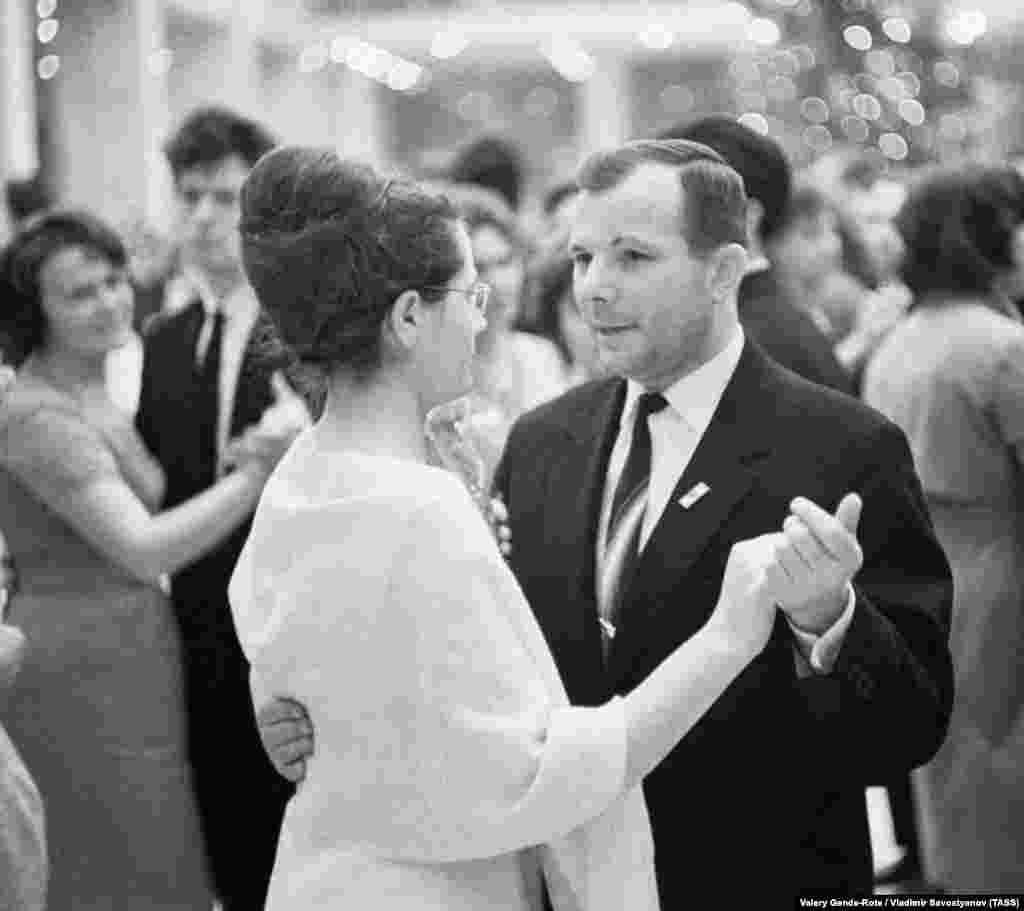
x=765 y=795
x=205 y=382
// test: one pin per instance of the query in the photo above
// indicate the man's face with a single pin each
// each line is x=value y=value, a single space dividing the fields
x=642 y=292
x=500 y=266
x=873 y=212
x=208 y=215
x=809 y=249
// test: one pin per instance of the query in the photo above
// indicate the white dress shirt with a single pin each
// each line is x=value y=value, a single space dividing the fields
x=241 y=310
x=676 y=431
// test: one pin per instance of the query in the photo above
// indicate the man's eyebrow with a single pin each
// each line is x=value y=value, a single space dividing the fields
x=632 y=239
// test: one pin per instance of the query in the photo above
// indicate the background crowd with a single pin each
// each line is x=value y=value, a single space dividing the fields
x=131 y=768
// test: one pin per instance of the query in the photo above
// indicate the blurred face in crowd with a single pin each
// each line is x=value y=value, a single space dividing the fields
x=208 y=215
x=808 y=249
x=446 y=347
x=501 y=266
x=86 y=301
x=873 y=211
x=656 y=308
x=1015 y=281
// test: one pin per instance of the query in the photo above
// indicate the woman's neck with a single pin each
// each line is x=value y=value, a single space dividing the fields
x=83 y=377
x=380 y=416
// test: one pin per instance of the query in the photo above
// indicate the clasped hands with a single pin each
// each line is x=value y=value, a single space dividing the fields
x=266 y=442
x=804 y=570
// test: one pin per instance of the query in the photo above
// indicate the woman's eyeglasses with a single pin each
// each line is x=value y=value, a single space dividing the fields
x=8 y=584
x=479 y=294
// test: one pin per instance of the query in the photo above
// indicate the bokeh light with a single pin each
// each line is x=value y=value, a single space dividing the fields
x=893 y=146
x=897 y=29
x=47 y=30
x=48 y=66
x=858 y=37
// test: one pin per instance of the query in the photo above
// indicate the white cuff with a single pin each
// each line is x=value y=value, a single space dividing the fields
x=821 y=652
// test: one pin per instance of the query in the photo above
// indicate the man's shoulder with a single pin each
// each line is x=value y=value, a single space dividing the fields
x=162 y=324
x=831 y=415
x=566 y=410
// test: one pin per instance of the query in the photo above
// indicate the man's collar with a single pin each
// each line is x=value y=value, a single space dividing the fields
x=190 y=284
x=695 y=397
x=757 y=264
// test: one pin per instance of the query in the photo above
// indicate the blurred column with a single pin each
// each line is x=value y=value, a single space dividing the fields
x=301 y=106
x=217 y=60
x=360 y=130
x=109 y=117
x=605 y=104
x=19 y=153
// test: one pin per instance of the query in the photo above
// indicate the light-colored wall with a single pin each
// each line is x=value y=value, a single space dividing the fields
x=110 y=109
x=19 y=155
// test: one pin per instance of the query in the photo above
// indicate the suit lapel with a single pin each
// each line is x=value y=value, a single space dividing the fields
x=582 y=479
x=573 y=492
x=726 y=462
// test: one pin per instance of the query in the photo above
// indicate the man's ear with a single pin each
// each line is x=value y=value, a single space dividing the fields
x=755 y=215
x=726 y=267
x=404 y=322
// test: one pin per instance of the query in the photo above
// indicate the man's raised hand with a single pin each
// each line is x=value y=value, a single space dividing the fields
x=818 y=555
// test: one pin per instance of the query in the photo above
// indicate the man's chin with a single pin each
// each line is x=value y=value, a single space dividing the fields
x=216 y=260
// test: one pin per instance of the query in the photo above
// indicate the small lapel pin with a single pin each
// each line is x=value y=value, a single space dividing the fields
x=693 y=495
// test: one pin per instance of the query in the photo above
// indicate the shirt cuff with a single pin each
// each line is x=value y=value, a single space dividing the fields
x=821 y=652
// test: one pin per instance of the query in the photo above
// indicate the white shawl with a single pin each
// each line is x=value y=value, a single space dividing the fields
x=371 y=591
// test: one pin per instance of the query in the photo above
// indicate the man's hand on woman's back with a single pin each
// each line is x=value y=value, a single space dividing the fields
x=287 y=735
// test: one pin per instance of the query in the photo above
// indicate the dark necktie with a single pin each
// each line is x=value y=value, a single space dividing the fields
x=637 y=470
x=621 y=555
x=208 y=403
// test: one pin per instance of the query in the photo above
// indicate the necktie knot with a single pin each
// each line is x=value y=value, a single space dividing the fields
x=649 y=403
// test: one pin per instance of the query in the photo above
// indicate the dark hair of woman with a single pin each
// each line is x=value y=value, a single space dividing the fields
x=22 y=323
x=328 y=246
x=957 y=226
x=548 y=284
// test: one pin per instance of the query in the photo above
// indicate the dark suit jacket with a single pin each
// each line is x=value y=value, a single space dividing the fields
x=787 y=334
x=166 y=422
x=766 y=793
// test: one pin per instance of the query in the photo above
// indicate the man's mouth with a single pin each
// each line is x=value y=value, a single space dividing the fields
x=611 y=331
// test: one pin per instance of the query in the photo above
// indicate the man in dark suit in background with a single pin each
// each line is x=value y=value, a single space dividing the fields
x=769 y=313
x=206 y=382
x=713 y=441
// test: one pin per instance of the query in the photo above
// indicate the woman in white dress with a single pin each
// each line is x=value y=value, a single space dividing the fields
x=450 y=770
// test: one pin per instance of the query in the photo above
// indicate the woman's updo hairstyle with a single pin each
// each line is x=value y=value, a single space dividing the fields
x=328 y=246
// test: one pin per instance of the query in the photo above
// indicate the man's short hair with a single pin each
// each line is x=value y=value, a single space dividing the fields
x=27 y=196
x=490 y=161
x=209 y=135
x=759 y=160
x=714 y=204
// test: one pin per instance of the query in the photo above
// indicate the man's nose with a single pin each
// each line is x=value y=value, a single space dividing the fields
x=111 y=298
x=203 y=209
x=594 y=289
